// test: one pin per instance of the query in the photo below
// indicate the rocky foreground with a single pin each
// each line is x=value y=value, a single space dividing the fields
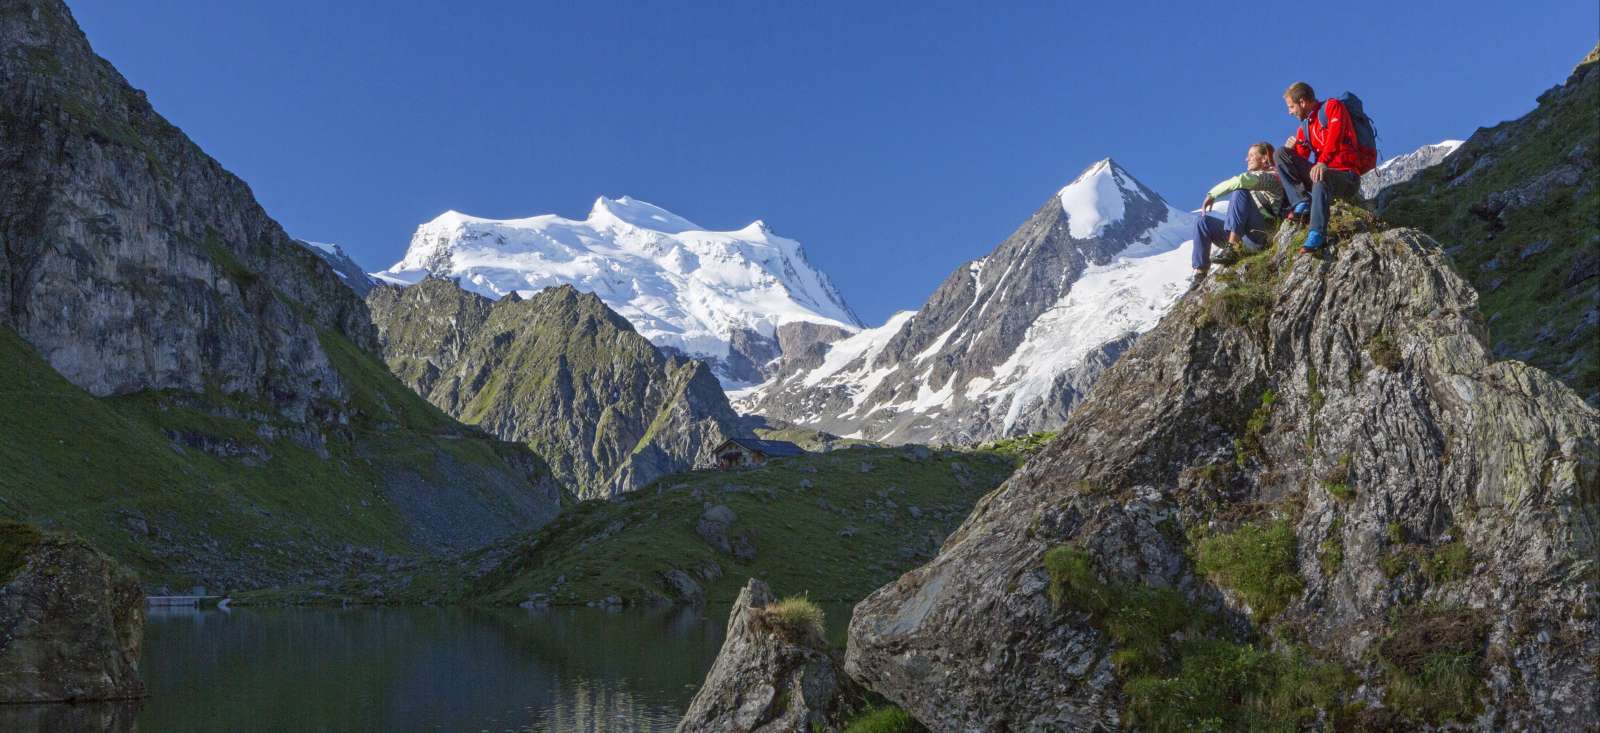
x=1308 y=498
x=774 y=674
x=71 y=620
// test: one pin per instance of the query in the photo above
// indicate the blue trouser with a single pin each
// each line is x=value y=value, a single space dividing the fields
x=1243 y=217
x=1295 y=173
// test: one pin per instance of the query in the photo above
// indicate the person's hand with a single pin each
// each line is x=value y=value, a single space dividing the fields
x=1317 y=171
x=1291 y=142
x=1205 y=208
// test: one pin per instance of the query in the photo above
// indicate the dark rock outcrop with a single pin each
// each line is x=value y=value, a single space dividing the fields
x=1345 y=414
x=560 y=372
x=770 y=677
x=71 y=620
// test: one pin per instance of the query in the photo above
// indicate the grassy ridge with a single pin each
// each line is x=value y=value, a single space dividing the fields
x=1525 y=261
x=833 y=526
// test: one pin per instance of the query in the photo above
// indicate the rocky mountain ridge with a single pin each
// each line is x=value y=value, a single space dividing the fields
x=1402 y=168
x=1009 y=342
x=561 y=372
x=716 y=296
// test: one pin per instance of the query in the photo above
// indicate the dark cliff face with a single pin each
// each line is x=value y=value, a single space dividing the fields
x=1517 y=208
x=560 y=372
x=131 y=259
x=1305 y=495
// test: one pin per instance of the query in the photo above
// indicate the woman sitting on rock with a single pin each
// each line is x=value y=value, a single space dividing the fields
x=1254 y=196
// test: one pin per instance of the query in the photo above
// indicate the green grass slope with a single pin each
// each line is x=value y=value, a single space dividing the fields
x=214 y=490
x=1518 y=209
x=832 y=526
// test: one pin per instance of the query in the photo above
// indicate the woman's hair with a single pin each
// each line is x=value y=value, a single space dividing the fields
x=1264 y=147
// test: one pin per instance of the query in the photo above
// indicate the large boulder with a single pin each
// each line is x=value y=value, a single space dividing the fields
x=1312 y=480
x=71 y=620
x=772 y=676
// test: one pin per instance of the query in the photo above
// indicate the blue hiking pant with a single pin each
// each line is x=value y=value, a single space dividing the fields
x=1295 y=173
x=1243 y=217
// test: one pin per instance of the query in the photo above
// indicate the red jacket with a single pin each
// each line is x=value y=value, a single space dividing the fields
x=1335 y=144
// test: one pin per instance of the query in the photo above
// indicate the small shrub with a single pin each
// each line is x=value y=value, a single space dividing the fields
x=1249 y=442
x=796 y=619
x=1384 y=352
x=1074 y=581
x=1451 y=561
x=1341 y=492
x=1330 y=554
x=884 y=720
x=1257 y=561
x=1395 y=533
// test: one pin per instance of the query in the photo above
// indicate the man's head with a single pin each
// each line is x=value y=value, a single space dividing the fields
x=1258 y=157
x=1301 y=100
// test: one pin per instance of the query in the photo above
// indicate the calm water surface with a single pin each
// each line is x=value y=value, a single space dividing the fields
x=411 y=669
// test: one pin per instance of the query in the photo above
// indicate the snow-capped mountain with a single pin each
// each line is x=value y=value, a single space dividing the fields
x=1009 y=342
x=719 y=296
x=343 y=265
x=1402 y=168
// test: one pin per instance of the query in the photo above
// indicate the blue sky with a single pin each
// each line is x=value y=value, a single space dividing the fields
x=895 y=140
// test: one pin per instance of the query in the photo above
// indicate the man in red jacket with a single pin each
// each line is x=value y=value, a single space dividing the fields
x=1331 y=135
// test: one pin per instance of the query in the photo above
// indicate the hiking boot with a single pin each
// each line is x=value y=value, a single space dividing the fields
x=1228 y=257
x=1198 y=277
x=1314 y=242
x=1298 y=212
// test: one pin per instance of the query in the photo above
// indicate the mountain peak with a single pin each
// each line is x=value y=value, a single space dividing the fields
x=1097 y=198
x=641 y=214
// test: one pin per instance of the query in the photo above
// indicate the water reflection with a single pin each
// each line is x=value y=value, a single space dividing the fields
x=404 y=669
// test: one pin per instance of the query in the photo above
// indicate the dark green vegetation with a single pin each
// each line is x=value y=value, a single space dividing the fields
x=16 y=539
x=834 y=526
x=1022 y=446
x=883 y=720
x=1518 y=210
x=216 y=490
x=1258 y=561
x=1182 y=670
x=1431 y=661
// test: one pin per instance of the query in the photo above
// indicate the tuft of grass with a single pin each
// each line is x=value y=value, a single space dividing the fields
x=1330 y=554
x=889 y=719
x=1074 y=581
x=1248 y=443
x=1258 y=561
x=797 y=619
x=1432 y=664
